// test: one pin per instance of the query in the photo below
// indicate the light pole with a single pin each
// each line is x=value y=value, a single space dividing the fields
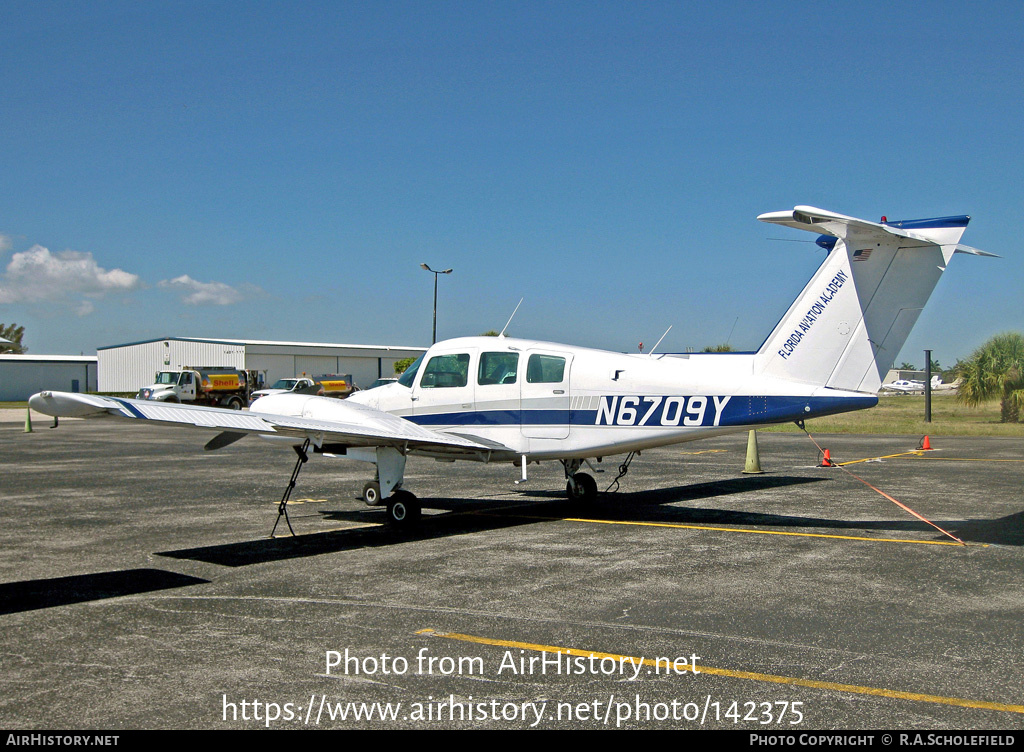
x=435 y=273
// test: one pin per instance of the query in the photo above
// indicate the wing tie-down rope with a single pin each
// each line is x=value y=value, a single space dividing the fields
x=883 y=493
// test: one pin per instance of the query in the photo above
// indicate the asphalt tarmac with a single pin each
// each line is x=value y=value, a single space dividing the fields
x=139 y=589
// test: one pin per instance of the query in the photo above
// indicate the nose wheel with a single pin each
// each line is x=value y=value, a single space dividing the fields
x=581 y=487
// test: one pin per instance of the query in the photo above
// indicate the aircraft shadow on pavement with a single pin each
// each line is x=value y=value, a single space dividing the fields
x=30 y=595
x=1004 y=531
x=647 y=506
x=465 y=516
x=476 y=515
x=244 y=553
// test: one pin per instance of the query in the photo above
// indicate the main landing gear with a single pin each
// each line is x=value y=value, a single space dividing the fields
x=371 y=494
x=403 y=509
x=579 y=487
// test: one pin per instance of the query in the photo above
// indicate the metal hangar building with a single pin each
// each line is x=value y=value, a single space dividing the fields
x=21 y=376
x=126 y=368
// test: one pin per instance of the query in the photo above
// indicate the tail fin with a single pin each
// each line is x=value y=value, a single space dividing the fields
x=848 y=325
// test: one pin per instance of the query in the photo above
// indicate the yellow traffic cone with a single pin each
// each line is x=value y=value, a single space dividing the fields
x=28 y=420
x=753 y=460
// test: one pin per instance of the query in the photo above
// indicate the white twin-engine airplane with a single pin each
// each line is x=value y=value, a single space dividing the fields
x=500 y=399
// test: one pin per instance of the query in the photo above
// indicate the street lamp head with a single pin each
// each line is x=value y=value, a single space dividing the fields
x=435 y=271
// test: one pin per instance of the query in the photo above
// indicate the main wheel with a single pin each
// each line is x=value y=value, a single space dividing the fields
x=403 y=509
x=583 y=489
x=235 y=403
x=371 y=493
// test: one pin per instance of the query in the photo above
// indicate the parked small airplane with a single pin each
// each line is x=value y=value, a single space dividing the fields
x=911 y=386
x=903 y=385
x=499 y=399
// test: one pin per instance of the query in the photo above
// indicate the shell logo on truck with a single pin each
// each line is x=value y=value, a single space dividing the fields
x=335 y=385
x=221 y=381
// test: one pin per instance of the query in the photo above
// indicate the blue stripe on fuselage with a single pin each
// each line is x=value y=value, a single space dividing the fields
x=737 y=411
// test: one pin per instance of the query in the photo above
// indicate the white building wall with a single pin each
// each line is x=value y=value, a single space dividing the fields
x=316 y=365
x=128 y=367
x=272 y=366
x=21 y=376
x=125 y=368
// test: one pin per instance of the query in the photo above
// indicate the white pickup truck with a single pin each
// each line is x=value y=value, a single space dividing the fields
x=299 y=385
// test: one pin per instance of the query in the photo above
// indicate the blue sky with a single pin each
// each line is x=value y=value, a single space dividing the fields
x=280 y=170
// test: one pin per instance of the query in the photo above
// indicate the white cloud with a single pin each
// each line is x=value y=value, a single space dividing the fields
x=38 y=276
x=195 y=292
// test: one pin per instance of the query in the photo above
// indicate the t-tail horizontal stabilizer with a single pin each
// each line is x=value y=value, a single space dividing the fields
x=848 y=325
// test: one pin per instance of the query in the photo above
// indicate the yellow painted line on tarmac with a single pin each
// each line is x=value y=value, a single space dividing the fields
x=924 y=455
x=883 y=457
x=707 y=451
x=969 y=459
x=734 y=674
x=740 y=530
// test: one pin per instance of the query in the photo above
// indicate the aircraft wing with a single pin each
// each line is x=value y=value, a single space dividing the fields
x=350 y=424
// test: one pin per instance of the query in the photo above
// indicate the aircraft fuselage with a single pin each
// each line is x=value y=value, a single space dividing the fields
x=552 y=401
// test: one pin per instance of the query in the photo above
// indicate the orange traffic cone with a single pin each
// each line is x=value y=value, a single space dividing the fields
x=926 y=445
x=826 y=461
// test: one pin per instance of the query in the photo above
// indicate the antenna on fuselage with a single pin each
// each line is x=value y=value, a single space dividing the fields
x=511 y=317
x=659 y=341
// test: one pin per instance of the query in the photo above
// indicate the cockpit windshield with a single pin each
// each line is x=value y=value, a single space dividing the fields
x=409 y=376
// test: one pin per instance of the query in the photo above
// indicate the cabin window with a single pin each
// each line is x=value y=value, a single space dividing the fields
x=446 y=371
x=545 y=369
x=497 y=368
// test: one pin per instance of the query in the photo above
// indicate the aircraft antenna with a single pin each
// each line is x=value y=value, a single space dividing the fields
x=659 y=341
x=511 y=317
x=732 y=330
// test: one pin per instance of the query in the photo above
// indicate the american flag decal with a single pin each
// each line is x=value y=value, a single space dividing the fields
x=862 y=255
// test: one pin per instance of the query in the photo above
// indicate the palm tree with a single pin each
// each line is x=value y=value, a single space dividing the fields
x=996 y=369
x=12 y=333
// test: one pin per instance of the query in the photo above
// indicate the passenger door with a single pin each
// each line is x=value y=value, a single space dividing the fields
x=544 y=393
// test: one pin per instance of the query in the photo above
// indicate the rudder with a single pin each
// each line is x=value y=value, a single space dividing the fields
x=848 y=325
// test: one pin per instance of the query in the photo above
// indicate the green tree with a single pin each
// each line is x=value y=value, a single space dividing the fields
x=905 y=366
x=717 y=348
x=996 y=369
x=401 y=365
x=491 y=333
x=14 y=333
